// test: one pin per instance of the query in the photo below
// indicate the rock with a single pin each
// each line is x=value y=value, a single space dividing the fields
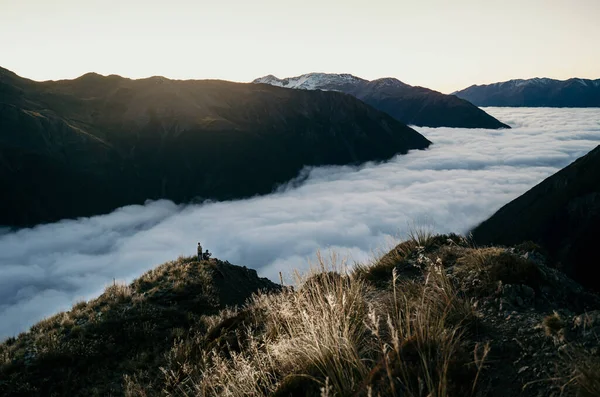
x=519 y=295
x=587 y=320
x=534 y=257
x=588 y=324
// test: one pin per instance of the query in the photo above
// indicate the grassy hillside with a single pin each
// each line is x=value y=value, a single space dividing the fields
x=435 y=316
x=129 y=328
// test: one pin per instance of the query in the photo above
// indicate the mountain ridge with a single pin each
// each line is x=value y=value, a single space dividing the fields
x=535 y=92
x=86 y=146
x=410 y=104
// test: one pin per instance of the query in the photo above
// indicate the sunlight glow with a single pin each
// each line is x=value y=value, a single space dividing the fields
x=440 y=44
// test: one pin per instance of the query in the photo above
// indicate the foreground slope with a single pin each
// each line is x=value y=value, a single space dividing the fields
x=535 y=93
x=87 y=146
x=433 y=317
x=87 y=350
x=562 y=213
x=411 y=105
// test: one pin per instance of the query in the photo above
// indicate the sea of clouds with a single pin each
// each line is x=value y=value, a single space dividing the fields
x=460 y=181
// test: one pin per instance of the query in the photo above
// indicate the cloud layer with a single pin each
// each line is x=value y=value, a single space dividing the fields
x=460 y=181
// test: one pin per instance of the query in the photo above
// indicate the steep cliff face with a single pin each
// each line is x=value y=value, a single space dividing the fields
x=86 y=146
x=409 y=104
x=562 y=214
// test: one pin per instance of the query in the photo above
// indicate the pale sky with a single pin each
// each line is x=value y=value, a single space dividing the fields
x=441 y=44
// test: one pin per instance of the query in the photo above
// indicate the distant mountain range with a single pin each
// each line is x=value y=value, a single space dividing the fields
x=82 y=147
x=562 y=214
x=535 y=93
x=411 y=105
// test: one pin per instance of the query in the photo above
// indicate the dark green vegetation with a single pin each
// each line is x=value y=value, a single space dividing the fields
x=435 y=317
x=535 y=93
x=409 y=104
x=87 y=146
x=562 y=214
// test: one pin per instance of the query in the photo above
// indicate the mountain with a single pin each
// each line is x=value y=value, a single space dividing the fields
x=535 y=93
x=562 y=214
x=433 y=317
x=81 y=147
x=411 y=105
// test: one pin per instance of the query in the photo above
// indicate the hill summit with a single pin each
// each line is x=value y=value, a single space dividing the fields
x=433 y=316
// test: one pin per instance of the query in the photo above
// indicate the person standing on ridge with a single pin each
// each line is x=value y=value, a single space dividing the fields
x=199 y=252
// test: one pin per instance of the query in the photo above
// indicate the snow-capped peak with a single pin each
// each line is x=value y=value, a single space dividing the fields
x=311 y=81
x=521 y=82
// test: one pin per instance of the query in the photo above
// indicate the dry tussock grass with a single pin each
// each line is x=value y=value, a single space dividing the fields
x=587 y=377
x=586 y=366
x=118 y=292
x=335 y=334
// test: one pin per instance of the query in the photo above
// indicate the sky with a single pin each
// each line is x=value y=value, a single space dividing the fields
x=463 y=178
x=441 y=44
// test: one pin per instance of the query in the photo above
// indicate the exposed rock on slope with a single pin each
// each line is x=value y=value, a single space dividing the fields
x=411 y=105
x=562 y=214
x=535 y=93
x=87 y=146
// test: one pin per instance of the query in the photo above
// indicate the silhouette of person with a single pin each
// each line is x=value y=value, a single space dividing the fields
x=207 y=255
x=200 y=252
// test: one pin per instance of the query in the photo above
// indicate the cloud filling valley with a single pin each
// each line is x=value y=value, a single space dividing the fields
x=463 y=178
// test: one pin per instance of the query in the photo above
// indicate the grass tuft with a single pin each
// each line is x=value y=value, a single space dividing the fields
x=553 y=324
x=336 y=334
x=588 y=377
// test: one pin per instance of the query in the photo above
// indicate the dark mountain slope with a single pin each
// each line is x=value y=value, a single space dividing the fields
x=535 y=93
x=86 y=146
x=562 y=214
x=411 y=105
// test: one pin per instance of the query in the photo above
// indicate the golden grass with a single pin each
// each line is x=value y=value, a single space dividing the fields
x=118 y=292
x=335 y=334
x=553 y=324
